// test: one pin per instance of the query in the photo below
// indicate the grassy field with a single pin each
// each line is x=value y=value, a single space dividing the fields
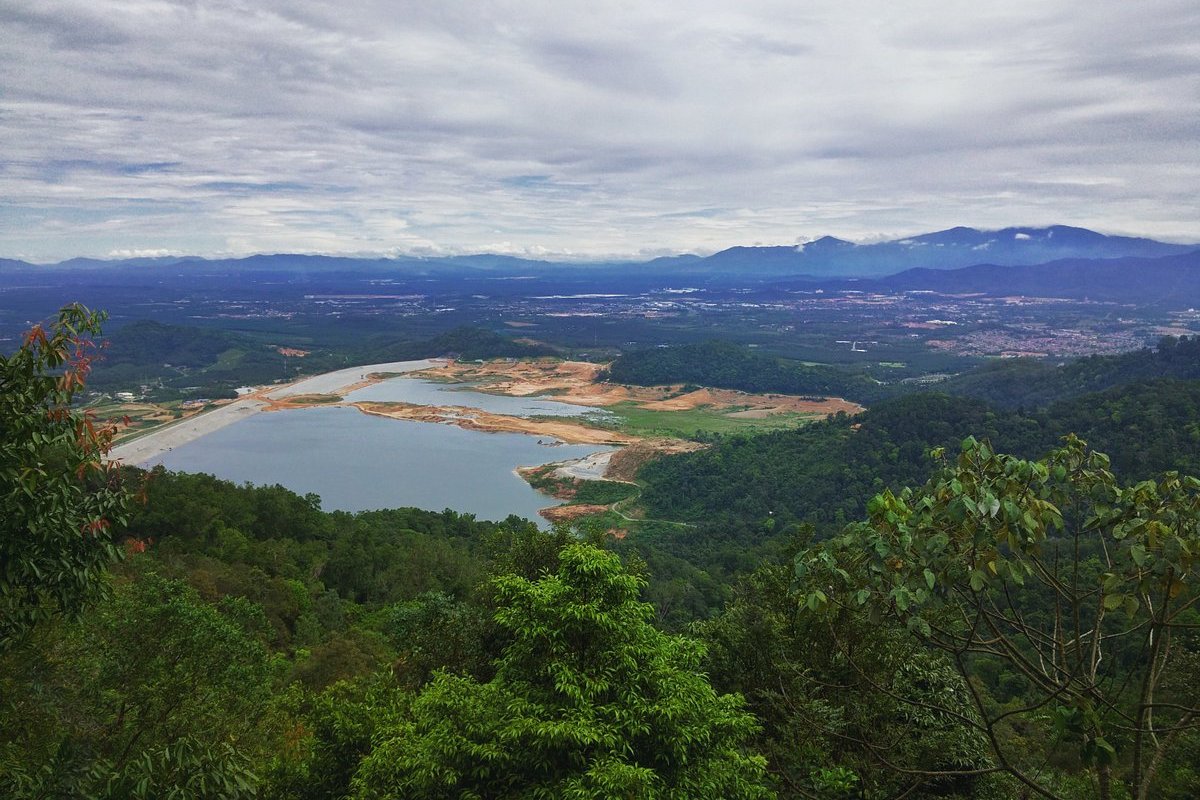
x=314 y=399
x=142 y=416
x=229 y=359
x=630 y=418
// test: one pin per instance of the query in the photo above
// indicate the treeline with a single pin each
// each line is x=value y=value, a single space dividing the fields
x=1019 y=383
x=724 y=365
x=256 y=646
x=824 y=473
x=185 y=361
x=181 y=361
x=1031 y=383
x=464 y=342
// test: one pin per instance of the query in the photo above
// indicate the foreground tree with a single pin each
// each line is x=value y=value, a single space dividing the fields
x=62 y=503
x=1084 y=590
x=153 y=694
x=589 y=700
x=826 y=731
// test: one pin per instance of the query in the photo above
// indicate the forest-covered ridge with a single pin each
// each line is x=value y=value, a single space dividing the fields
x=824 y=472
x=177 y=635
x=212 y=363
x=1005 y=383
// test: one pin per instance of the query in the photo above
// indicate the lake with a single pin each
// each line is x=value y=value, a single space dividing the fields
x=431 y=393
x=357 y=461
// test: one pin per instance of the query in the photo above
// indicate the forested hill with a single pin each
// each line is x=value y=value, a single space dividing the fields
x=187 y=360
x=464 y=342
x=825 y=472
x=214 y=361
x=723 y=365
x=1008 y=383
x=1029 y=383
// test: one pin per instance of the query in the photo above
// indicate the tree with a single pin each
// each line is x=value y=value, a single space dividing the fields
x=155 y=693
x=62 y=503
x=589 y=700
x=827 y=731
x=1083 y=589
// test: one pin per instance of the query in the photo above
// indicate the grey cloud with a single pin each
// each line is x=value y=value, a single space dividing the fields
x=73 y=29
x=378 y=126
x=622 y=66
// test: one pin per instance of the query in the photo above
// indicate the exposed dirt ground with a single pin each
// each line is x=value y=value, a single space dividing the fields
x=567 y=381
x=575 y=382
x=624 y=463
x=571 y=513
x=474 y=419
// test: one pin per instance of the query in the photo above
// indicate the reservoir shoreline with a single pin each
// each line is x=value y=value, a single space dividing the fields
x=161 y=441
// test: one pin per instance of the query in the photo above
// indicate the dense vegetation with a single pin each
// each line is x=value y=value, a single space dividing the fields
x=176 y=361
x=1018 y=383
x=467 y=343
x=825 y=472
x=1030 y=383
x=1010 y=628
x=727 y=366
x=60 y=503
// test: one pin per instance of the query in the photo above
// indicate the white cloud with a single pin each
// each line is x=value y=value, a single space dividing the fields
x=125 y=253
x=216 y=126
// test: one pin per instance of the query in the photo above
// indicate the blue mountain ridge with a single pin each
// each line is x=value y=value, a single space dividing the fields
x=942 y=250
x=827 y=257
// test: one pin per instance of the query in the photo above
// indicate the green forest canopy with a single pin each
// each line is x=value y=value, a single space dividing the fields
x=253 y=645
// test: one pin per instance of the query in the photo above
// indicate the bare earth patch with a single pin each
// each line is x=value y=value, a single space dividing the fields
x=566 y=381
x=476 y=420
x=624 y=464
x=571 y=513
x=575 y=382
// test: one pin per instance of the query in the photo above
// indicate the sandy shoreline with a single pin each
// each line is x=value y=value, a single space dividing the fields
x=475 y=420
x=565 y=381
x=162 y=440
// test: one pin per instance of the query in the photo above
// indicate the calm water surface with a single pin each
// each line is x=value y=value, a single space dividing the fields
x=357 y=462
x=431 y=393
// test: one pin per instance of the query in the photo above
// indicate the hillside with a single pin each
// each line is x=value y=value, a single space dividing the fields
x=212 y=363
x=1029 y=383
x=1172 y=279
x=823 y=473
x=829 y=257
x=723 y=365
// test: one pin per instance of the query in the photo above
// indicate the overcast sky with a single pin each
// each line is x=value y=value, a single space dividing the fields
x=586 y=129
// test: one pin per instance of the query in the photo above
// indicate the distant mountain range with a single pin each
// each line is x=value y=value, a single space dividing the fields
x=1171 y=279
x=1066 y=248
x=949 y=249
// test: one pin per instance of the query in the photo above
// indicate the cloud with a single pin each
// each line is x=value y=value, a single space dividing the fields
x=606 y=129
x=122 y=254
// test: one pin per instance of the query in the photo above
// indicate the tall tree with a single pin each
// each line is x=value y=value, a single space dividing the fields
x=62 y=503
x=1082 y=587
x=153 y=694
x=589 y=700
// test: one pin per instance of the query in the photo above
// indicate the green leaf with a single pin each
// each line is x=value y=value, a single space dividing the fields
x=919 y=625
